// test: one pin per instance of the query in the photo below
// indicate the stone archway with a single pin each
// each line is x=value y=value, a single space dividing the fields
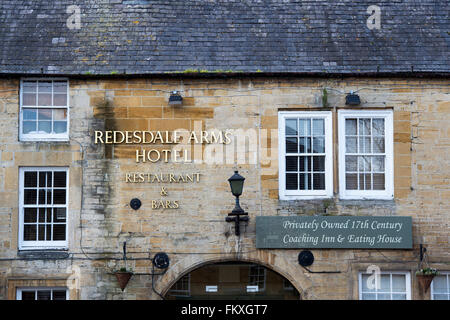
x=275 y=266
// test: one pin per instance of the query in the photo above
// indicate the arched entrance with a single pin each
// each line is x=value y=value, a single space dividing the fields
x=234 y=280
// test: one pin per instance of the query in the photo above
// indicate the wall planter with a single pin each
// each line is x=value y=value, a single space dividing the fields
x=425 y=277
x=123 y=276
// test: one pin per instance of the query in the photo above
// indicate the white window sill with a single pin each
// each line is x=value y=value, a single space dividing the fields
x=366 y=197
x=44 y=139
x=42 y=248
x=304 y=197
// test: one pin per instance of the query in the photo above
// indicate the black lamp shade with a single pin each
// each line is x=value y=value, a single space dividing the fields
x=236 y=184
x=352 y=100
x=175 y=99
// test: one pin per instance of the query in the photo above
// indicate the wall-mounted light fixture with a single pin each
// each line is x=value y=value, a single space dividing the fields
x=238 y=214
x=306 y=259
x=161 y=260
x=175 y=98
x=135 y=203
x=352 y=99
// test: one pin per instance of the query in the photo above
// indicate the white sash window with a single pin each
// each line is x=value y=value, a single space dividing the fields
x=44 y=199
x=305 y=155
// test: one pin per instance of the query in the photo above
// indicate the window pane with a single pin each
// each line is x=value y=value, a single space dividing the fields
x=378 y=127
x=318 y=127
x=29 y=99
x=305 y=181
x=59 y=179
x=60 y=126
x=29 y=126
x=49 y=179
x=45 y=114
x=30 y=196
x=49 y=215
x=43 y=179
x=305 y=127
x=41 y=232
x=319 y=145
x=30 y=179
x=305 y=164
x=440 y=297
x=29 y=114
x=319 y=181
x=59 y=232
x=364 y=145
x=378 y=145
x=29 y=232
x=291 y=127
x=384 y=296
x=45 y=126
x=440 y=284
x=378 y=181
x=44 y=99
x=42 y=197
x=351 y=145
x=45 y=86
x=319 y=163
x=364 y=127
x=362 y=184
x=351 y=181
x=41 y=214
x=398 y=283
x=60 y=86
x=291 y=181
x=368 y=181
x=49 y=196
x=59 y=295
x=43 y=295
x=29 y=86
x=350 y=126
x=291 y=163
x=30 y=215
x=385 y=282
x=28 y=295
x=378 y=164
x=399 y=296
x=48 y=235
x=59 y=196
x=364 y=164
x=305 y=145
x=60 y=100
x=59 y=114
x=59 y=215
x=291 y=145
x=351 y=163
x=368 y=296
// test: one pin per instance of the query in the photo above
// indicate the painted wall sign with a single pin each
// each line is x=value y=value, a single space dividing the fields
x=339 y=232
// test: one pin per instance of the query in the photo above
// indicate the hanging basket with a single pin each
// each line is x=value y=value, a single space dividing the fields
x=123 y=278
x=425 y=281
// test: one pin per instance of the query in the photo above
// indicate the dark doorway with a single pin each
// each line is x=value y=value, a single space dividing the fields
x=233 y=281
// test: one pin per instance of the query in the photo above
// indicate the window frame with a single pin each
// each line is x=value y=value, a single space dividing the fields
x=47 y=136
x=447 y=275
x=407 y=284
x=19 y=291
x=329 y=176
x=257 y=275
x=182 y=292
x=388 y=193
x=41 y=245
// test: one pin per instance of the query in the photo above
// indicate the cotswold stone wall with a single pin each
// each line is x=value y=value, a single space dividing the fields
x=100 y=217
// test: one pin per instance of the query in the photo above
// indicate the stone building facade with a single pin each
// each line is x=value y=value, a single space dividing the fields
x=194 y=233
x=331 y=110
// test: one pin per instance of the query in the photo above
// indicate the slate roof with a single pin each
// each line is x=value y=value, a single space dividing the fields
x=273 y=36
